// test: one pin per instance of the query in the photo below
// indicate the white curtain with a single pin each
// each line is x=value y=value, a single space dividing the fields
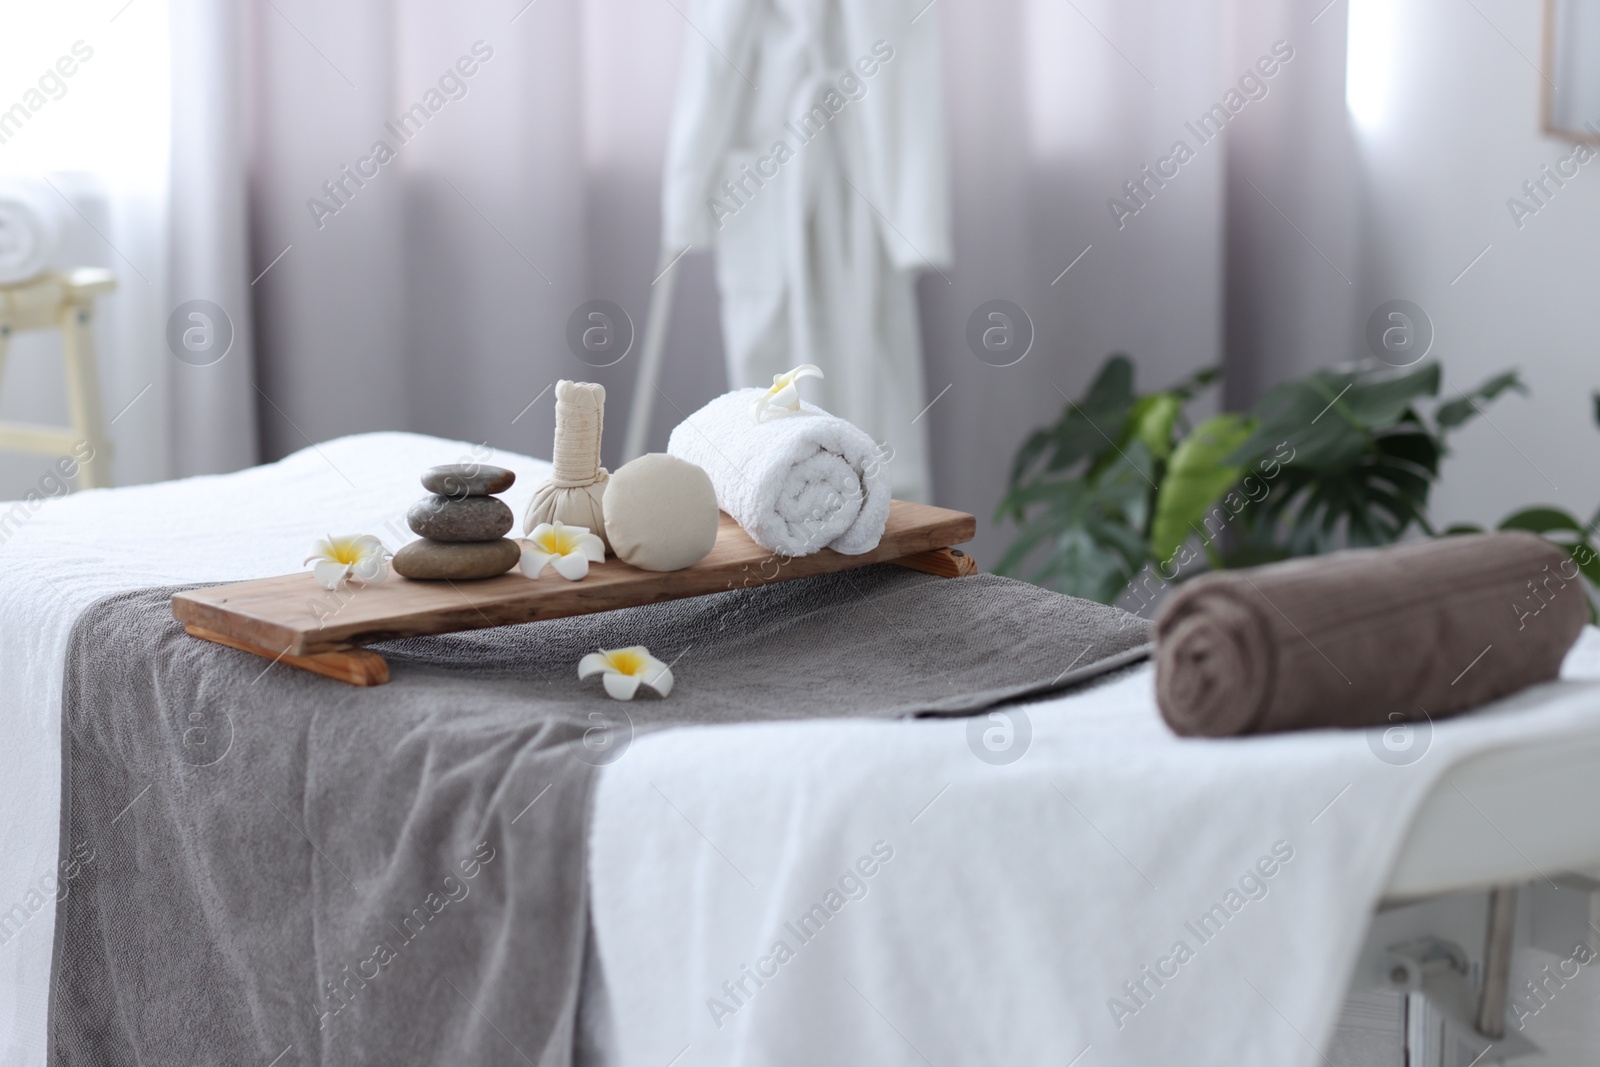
x=144 y=140
x=1293 y=214
x=1053 y=107
x=100 y=135
x=212 y=404
x=436 y=297
x=434 y=292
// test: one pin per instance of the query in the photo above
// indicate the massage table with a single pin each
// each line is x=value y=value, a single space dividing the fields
x=70 y=552
x=1519 y=817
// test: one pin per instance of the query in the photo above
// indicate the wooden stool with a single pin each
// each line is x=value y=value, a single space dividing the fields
x=64 y=302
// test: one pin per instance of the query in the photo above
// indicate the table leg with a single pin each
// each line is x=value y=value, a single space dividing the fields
x=1491 y=1021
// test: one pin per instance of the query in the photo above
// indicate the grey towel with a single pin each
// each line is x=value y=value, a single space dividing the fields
x=265 y=866
x=1367 y=638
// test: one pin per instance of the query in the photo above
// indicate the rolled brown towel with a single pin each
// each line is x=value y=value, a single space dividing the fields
x=1367 y=637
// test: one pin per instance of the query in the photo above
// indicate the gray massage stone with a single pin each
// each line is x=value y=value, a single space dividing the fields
x=439 y=561
x=469 y=518
x=467 y=479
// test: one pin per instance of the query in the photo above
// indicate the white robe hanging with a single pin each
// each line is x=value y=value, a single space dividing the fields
x=807 y=147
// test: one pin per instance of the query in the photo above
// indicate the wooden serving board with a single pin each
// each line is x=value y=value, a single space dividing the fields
x=292 y=619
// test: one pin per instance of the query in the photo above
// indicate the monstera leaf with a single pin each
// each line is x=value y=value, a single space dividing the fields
x=1328 y=419
x=1093 y=525
x=1083 y=489
x=1084 y=428
x=1341 y=457
x=1457 y=412
x=1364 y=460
x=1197 y=478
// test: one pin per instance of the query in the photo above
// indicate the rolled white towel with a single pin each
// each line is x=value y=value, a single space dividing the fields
x=797 y=484
x=31 y=220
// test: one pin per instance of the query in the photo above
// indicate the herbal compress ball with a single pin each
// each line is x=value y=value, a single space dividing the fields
x=661 y=513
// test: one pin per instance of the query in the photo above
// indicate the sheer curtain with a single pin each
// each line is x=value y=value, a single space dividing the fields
x=213 y=409
x=101 y=136
x=435 y=294
x=1053 y=107
x=430 y=192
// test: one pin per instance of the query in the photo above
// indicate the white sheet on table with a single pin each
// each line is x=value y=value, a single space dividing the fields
x=74 y=550
x=1020 y=898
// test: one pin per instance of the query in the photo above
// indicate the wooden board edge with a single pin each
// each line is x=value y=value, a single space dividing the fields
x=353 y=666
x=940 y=562
x=198 y=614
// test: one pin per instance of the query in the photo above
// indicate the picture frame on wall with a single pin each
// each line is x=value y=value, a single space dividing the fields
x=1570 y=71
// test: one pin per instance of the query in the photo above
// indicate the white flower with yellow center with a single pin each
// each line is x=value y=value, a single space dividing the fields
x=784 y=396
x=338 y=559
x=568 y=548
x=626 y=669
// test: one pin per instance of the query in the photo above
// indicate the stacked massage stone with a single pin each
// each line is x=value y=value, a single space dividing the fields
x=462 y=525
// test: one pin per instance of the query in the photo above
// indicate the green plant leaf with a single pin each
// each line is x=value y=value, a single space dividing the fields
x=1112 y=386
x=1541 y=520
x=1027 y=455
x=1019 y=500
x=1588 y=560
x=1200 y=379
x=1379 y=401
x=1463 y=409
x=1197 y=475
x=1411 y=445
x=1093 y=525
x=1462 y=528
x=1029 y=538
x=1152 y=419
x=1086 y=430
x=1120 y=538
x=1373 y=499
x=1306 y=414
x=1080 y=566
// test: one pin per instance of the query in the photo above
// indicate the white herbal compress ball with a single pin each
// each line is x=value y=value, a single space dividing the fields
x=577 y=482
x=661 y=513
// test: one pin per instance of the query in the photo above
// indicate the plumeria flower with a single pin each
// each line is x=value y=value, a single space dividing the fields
x=784 y=396
x=338 y=559
x=625 y=669
x=568 y=548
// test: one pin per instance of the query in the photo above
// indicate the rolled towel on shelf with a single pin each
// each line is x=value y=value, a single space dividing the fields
x=31 y=221
x=797 y=484
x=1370 y=637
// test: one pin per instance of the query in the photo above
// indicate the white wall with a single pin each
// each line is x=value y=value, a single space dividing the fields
x=1453 y=133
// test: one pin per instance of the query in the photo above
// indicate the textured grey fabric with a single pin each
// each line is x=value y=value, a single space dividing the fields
x=267 y=866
